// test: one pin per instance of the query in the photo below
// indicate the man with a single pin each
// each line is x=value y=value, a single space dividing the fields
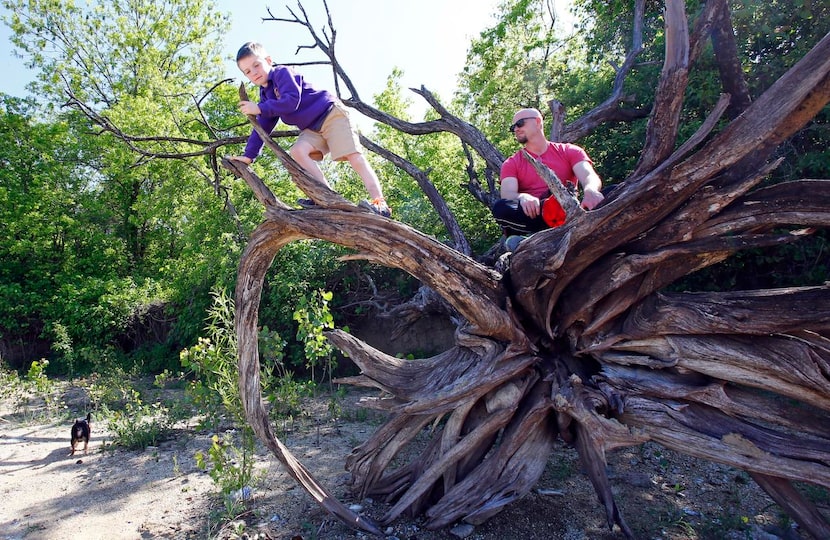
x=526 y=205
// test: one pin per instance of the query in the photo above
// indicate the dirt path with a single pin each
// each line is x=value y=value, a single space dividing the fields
x=160 y=493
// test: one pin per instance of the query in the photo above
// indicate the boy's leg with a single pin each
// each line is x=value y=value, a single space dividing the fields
x=362 y=167
x=344 y=144
x=302 y=152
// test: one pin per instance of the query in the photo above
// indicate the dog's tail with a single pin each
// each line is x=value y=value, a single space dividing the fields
x=88 y=417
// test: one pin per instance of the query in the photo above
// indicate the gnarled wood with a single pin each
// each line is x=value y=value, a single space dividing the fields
x=577 y=340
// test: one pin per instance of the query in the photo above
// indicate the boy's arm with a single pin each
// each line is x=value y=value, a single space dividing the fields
x=267 y=113
x=282 y=96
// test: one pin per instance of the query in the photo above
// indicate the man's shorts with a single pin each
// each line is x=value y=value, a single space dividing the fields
x=336 y=135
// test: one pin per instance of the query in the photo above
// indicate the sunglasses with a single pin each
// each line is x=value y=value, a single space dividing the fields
x=520 y=123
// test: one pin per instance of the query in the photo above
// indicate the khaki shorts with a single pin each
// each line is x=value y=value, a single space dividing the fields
x=336 y=135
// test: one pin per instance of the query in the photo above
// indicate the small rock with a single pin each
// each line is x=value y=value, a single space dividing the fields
x=356 y=508
x=759 y=533
x=636 y=479
x=548 y=491
x=79 y=462
x=462 y=531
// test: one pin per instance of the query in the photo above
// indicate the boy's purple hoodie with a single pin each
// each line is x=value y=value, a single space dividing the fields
x=290 y=98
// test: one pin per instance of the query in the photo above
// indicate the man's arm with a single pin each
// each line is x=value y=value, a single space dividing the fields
x=591 y=184
x=509 y=188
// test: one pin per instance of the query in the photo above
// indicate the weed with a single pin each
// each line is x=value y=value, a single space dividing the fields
x=285 y=395
x=10 y=383
x=685 y=527
x=561 y=470
x=138 y=425
x=313 y=319
x=815 y=493
x=32 y=394
x=36 y=377
x=335 y=406
x=230 y=467
x=216 y=391
x=166 y=379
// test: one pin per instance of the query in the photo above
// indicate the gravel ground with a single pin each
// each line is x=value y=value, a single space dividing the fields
x=159 y=492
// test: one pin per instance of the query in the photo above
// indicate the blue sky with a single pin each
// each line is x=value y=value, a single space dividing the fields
x=427 y=39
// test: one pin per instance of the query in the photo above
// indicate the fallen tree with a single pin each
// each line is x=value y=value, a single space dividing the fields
x=574 y=336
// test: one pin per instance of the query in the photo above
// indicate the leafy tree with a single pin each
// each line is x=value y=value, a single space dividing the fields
x=142 y=65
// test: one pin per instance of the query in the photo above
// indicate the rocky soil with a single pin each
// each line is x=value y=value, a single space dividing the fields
x=159 y=492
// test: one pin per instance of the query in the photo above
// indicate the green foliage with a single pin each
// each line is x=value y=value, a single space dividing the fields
x=213 y=362
x=230 y=467
x=313 y=318
x=139 y=424
x=298 y=269
x=96 y=230
x=96 y=234
x=141 y=46
x=509 y=67
x=442 y=155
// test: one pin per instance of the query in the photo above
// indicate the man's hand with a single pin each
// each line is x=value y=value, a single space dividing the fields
x=530 y=205
x=591 y=198
x=249 y=107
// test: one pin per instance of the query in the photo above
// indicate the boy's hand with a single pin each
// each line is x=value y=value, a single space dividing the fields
x=243 y=159
x=249 y=107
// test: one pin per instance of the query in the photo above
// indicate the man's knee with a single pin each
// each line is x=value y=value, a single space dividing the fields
x=505 y=208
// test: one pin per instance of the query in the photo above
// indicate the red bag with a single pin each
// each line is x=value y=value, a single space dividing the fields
x=552 y=212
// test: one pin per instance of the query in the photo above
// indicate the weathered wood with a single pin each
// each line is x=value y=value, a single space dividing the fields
x=661 y=132
x=795 y=504
x=255 y=262
x=709 y=434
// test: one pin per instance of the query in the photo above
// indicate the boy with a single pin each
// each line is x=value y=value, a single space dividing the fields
x=322 y=119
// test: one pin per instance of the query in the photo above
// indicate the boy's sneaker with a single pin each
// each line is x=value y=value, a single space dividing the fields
x=378 y=206
x=512 y=242
x=306 y=203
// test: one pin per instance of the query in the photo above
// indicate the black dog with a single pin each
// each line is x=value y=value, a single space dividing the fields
x=81 y=431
